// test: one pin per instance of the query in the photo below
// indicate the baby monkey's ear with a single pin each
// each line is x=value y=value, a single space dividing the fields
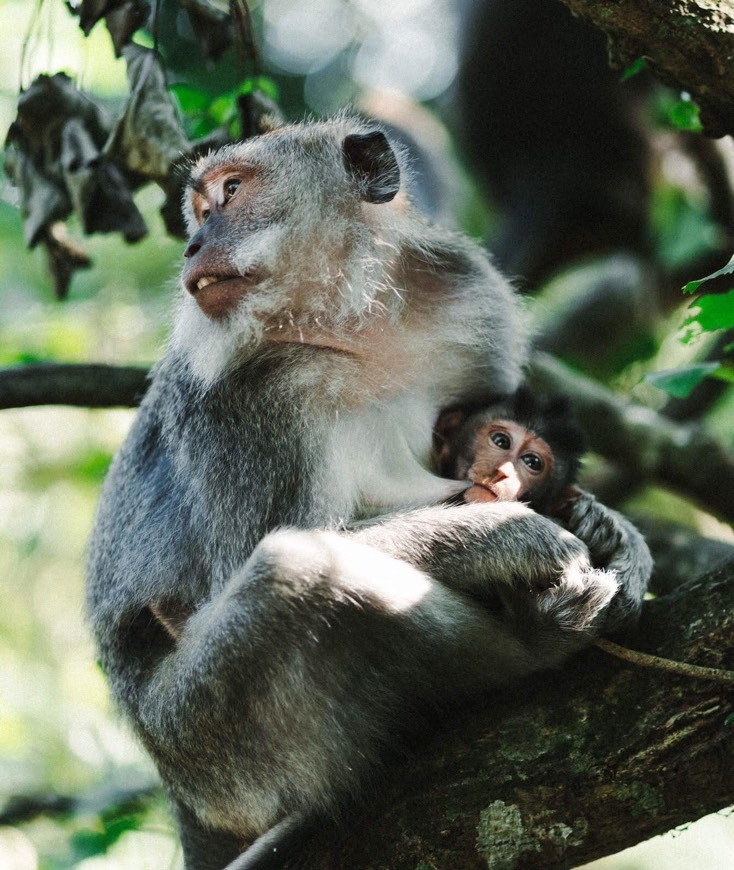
x=369 y=158
x=447 y=425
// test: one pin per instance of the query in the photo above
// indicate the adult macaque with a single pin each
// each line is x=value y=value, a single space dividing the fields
x=265 y=658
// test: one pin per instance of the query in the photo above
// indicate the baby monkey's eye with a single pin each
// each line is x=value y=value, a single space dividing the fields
x=230 y=188
x=533 y=462
x=501 y=440
x=205 y=212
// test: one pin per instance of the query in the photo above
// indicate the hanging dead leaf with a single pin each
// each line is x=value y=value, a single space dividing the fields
x=64 y=258
x=124 y=20
x=34 y=145
x=212 y=24
x=89 y=12
x=99 y=192
x=149 y=136
x=43 y=199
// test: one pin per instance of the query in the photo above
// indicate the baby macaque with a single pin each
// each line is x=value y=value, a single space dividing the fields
x=520 y=449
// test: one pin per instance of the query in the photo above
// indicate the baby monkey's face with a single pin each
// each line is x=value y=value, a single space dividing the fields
x=509 y=463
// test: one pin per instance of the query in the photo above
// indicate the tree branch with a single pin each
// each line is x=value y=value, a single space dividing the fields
x=686 y=458
x=91 y=386
x=571 y=766
x=687 y=43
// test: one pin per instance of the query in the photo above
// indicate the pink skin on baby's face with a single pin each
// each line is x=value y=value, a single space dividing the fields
x=509 y=462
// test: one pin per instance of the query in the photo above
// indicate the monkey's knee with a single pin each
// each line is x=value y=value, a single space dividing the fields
x=320 y=568
x=293 y=561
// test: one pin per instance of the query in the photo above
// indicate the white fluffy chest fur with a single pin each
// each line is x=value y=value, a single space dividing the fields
x=378 y=458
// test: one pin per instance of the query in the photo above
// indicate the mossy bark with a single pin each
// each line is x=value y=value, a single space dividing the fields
x=687 y=43
x=573 y=765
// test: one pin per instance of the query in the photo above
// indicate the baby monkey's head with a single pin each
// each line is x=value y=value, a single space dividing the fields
x=522 y=448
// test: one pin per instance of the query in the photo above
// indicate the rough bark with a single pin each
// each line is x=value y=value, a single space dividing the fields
x=574 y=765
x=686 y=43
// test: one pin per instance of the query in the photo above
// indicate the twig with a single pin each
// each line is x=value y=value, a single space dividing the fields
x=244 y=31
x=646 y=660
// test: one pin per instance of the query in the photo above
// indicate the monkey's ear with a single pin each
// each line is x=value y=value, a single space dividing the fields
x=371 y=160
x=446 y=427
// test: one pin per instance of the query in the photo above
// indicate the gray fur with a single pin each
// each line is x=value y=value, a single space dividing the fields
x=294 y=652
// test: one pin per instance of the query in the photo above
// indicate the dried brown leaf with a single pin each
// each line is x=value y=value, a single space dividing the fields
x=99 y=192
x=212 y=24
x=149 y=137
x=124 y=20
x=64 y=258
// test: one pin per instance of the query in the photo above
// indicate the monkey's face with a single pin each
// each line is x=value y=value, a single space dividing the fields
x=509 y=463
x=284 y=212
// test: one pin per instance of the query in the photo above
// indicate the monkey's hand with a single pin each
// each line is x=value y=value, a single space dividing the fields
x=528 y=570
x=477 y=546
x=615 y=544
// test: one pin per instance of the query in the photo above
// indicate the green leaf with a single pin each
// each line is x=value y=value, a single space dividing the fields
x=724 y=373
x=189 y=98
x=680 y=382
x=684 y=115
x=634 y=68
x=224 y=108
x=692 y=286
x=268 y=87
x=712 y=312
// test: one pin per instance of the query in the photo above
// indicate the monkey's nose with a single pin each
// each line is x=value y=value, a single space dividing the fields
x=507 y=469
x=192 y=249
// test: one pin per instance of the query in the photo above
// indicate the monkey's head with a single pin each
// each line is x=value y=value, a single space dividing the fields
x=519 y=449
x=288 y=230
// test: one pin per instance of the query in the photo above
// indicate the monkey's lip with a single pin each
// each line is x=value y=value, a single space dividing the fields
x=198 y=282
x=480 y=492
x=218 y=295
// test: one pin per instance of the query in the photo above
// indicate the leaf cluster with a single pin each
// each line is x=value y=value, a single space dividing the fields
x=67 y=156
x=708 y=313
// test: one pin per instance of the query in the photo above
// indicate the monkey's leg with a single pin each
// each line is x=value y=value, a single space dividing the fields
x=286 y=689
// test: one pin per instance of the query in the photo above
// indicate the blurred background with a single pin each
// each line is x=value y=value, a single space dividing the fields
x=75 y=790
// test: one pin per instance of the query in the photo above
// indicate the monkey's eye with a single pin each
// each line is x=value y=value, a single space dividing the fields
x=205 y=212
x=501 y=440
x=230 y=188
x=533 y=462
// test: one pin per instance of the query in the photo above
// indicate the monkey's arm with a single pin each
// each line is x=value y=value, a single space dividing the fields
x=474 y=547
x=616 y=545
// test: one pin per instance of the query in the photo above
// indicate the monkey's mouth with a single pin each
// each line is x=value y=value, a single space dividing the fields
x=218 y=295
x=197 y=283
x=480 y=492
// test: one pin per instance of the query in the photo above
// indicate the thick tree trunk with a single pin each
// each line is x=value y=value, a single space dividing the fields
x=687 y=43
x=573 y=765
